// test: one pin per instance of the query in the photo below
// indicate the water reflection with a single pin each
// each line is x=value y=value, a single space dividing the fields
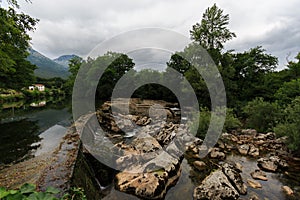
x=21 y=123
x=38 y=104
x=16 y=139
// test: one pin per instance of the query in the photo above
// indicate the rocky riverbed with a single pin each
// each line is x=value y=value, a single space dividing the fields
x=158 y=159
x=139 y=157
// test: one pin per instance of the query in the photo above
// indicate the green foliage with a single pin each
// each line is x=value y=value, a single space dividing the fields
x=10 y=95
x=74 y=66
x=288 y=92
x=294 y=68
x=273 y=81
x=118 y=65
x=15 y=71
x=290 y=124
x=251 y=68
x=75 y=194
x=111 y=65
x=178 y=63
x=212 y=32
x=52 y=83
x=262 y=115
x=231 y=122
x=29 y=192
x=204 y=120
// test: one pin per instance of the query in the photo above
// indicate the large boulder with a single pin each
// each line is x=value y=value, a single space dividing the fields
x=234 y=177
x=159 y=174
x=215 y=187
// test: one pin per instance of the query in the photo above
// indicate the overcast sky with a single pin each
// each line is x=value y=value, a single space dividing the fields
x=77 y=26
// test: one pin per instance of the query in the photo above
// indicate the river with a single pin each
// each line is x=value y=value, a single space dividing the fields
x=29 y=128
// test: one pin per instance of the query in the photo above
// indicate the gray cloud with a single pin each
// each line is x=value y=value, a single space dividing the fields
x=74 y=26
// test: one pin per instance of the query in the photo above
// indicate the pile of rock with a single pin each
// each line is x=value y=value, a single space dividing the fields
x=272 y=163
x=151 y=161
x=250 y=143
x=226 y=182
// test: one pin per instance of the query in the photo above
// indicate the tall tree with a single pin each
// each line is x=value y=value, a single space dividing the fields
x=294 y=67
x=74 y=66
x=111 y=65
x=15 y=70
x=212 y=32
x=251 y=68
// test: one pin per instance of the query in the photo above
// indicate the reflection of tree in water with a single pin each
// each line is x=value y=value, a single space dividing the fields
x=16 y=139
x=24 y=108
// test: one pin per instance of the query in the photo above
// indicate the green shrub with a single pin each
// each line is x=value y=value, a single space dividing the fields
x=74 y=194
x=231 y=122
x=288 y=92
x=262 y=115
x=290 y=125
x=29 y=192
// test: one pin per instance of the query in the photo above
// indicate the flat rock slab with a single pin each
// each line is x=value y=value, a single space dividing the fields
x=215 y=187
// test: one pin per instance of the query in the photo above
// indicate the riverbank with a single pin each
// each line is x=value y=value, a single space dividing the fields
x=52 y=167
x=11 y=95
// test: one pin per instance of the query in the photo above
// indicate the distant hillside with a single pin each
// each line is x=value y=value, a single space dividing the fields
x=47 y=68
x=64 y=60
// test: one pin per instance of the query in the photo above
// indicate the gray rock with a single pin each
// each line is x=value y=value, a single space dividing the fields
x=215 y=187
x=234 y=177
x=254 y=184
x=253 y=151
x=272 y=163
x=287 y=190
x=239 y=167
x=243 y=149
x=200 y=165
x=215 y=153
x=249 y=132
x=258 y=174
x=254 y=197
x=159 y=174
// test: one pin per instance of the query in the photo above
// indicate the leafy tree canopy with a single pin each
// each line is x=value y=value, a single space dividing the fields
x=212 y=32
x=15 y=70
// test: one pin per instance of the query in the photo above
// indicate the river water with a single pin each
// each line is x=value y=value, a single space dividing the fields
x=30 y=128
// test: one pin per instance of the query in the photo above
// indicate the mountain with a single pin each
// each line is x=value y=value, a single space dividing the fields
x=47 y=68
x=64 y=60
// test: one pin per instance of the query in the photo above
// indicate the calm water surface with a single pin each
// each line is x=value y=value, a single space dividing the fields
x=25 y=126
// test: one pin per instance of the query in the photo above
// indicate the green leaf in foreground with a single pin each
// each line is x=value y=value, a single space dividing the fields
x=27 y=188
x=52 y=190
